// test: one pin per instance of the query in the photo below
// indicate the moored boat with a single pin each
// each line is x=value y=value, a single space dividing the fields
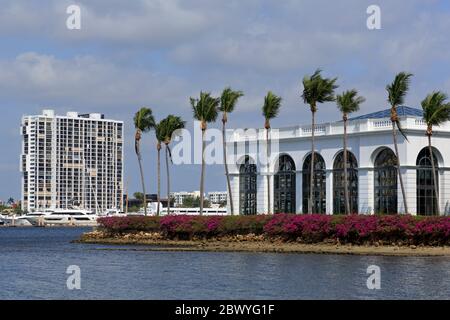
x=66 y=217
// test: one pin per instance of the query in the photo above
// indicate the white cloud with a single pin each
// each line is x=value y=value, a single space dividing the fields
x=84 y=80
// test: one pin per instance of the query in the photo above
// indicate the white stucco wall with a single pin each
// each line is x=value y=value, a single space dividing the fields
x=366 y=140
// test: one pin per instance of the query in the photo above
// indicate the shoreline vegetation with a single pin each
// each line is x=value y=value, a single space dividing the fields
x=399 y=235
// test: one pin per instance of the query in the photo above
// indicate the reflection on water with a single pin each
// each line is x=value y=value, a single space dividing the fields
x=33 y=263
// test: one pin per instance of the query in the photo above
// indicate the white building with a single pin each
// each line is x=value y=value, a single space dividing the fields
x=72 y=160
x=180 y=196
x=217 y=196
x=374 y=185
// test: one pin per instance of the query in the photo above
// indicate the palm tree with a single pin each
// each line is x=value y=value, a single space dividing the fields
x=435 y=112
x=170 y=125
x=205 y=110
x=228 y=101
x=270 y=111
x=316 y=90
x=396 y=95
x=143 y=122
x=159 y=133
x=347 y=103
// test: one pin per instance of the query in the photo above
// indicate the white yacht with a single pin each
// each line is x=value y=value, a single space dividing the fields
x=68 y=217
x=12 y=220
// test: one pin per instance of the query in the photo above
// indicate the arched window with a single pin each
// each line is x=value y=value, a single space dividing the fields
x=426 y=198
x=339 y=185
x=319 y=186
x=386 y=182
x=247 y=187
x=284 y=186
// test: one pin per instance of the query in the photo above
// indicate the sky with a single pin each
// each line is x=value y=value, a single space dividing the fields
x=158 y=53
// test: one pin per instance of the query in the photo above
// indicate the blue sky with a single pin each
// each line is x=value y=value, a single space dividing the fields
x=158 y=53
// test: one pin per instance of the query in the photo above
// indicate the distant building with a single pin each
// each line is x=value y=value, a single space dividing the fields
x=215 y=197
x=150 y=197
x=180 y=196
x=71 y=160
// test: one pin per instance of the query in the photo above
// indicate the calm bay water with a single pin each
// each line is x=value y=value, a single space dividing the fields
x=33 y=263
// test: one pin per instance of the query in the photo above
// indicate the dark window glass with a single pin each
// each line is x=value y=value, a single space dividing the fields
x=247 y=187
x=426 y=197
x=339 y=185
x=319 y=185
x=284 y=186
x=385 y=182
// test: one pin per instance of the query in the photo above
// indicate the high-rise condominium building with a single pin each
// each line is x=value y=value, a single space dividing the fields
x=71 y=161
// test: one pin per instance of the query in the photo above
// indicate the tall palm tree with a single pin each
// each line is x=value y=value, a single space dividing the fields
x=396 y=96
x=347 y=103
x=159 y=133
x=316 y=90
x=270 y=110
x=143 y=122
x=170 y=125
x=228 y=102
x=435 y=112
x=205 y=110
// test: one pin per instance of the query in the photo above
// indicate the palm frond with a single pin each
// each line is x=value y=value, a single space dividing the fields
x=271 y=107
x=205 y=108
x=435 y=109
x=228 y=99
x=400 y=129
x=317 y=89
x=144 y=120
x=349 y=101
x=398 y=89
x=170 y=126
x=159 y=131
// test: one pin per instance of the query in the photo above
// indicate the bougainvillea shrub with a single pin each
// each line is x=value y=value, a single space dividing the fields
x=355 y=229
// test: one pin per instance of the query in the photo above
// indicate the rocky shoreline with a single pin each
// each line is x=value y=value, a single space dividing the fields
x=256 y=243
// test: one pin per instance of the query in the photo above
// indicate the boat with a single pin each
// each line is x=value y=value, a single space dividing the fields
x=113 y=212
x=16 y=221
x=67 y=217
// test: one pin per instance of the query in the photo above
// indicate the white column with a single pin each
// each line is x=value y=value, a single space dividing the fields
x=329 y=192
x=366 y=191
x=298 y=192
x=444 y=186
x=409 y=179
x=261 y=195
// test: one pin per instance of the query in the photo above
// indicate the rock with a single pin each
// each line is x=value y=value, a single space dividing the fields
x=413 y=247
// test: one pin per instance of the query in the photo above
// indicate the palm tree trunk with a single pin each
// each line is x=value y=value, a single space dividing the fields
x=202 y=177
x=142 y=177
x=436 y=188
x=346 y=196
x=227 y=174
x=311 y=181
x=158 y=197
x=394 y=136
x=268 y=172
x=168 y=179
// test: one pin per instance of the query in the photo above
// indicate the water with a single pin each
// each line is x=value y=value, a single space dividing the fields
x=33 y=263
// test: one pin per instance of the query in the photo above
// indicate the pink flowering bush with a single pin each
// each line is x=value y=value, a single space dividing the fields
x=310 y=228
x=129 y=223
x=234 y=225
x=356 y=229
x=432 y=231
x=186 y=227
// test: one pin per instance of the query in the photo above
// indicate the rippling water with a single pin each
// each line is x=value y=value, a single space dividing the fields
x=33 y=263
